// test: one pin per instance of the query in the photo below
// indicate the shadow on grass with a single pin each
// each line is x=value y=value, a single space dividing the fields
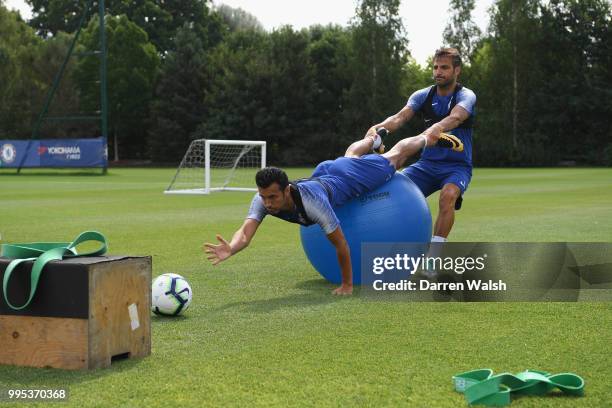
x=167 y=318
x=32 y=377
x=319 y=292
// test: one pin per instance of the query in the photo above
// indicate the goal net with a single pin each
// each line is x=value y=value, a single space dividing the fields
x=216 y=165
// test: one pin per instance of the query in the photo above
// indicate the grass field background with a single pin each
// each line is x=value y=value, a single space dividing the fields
x=263 y=329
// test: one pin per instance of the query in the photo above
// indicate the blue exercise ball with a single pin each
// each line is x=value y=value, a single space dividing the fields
x=395 y=212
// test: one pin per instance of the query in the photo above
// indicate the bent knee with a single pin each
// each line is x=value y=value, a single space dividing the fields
x=448 y=197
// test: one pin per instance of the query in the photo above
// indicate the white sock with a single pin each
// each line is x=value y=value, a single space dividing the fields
x=435 y=250
x=377 y=142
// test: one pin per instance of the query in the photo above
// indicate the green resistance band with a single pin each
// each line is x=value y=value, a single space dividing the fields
x=481 y=387
x=41 y=253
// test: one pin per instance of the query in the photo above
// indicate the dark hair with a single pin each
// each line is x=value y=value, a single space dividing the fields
x=449 y=52
x=268 y=175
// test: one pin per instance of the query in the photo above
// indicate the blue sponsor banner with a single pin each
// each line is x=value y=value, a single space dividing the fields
x=90 y=152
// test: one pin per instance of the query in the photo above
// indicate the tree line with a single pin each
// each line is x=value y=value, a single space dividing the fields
x=179 y=71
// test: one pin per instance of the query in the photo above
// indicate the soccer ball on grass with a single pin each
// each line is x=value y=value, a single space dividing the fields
x=171 y=295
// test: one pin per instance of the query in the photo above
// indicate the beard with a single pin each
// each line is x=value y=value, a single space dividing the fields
x=444 y=83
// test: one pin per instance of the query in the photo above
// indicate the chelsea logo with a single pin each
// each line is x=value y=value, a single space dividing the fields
x=8 y=153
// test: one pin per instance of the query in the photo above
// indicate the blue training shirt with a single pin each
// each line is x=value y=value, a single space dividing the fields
x=316 y=204
x=441 y=106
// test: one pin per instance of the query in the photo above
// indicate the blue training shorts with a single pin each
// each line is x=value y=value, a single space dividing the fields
x=431 y=177
x=350 y=177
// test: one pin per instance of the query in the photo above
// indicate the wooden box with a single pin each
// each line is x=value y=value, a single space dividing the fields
x=86 y=313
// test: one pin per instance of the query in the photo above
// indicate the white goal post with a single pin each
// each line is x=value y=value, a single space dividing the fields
x=219 y=165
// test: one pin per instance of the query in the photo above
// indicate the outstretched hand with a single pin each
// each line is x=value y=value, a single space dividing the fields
x=218 y=253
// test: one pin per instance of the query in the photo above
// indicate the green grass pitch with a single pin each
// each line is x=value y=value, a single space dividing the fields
x=263 y=329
